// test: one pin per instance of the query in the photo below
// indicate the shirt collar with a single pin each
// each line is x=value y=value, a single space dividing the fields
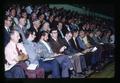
x=6 y=28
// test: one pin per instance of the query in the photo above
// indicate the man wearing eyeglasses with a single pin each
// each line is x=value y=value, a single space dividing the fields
x=7 y=25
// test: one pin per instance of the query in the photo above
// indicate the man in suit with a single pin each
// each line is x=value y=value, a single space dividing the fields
x=7 y=25
x=59 y=28
x=77 y=57
x=74 y=42
x=58 y=48
x=85 y=43
x=46 y=56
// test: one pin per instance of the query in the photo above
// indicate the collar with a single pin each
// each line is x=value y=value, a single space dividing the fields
x=6 y=28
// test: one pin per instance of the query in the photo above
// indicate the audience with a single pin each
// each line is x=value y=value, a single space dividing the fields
x=60 y=41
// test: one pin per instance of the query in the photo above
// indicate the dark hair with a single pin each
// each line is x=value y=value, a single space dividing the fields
x=28 y=32
x=12 y=9
x=75 y=30
x=53 y=29
x=42 y=33
x=6 y=17
x=66 y=32
x=21 y=17
x=59 y=22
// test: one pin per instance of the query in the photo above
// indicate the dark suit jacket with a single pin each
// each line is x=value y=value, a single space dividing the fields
x=91 y=40
x=70 y=50
x=56 y=45
x=6 y=37
x=74 y=46
x=59 y=34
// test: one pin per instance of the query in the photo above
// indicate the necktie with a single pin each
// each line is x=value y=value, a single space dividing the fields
x=75 y=43
x=61 y=34
x=82 y=41
x=18 y=51
x=8 y=30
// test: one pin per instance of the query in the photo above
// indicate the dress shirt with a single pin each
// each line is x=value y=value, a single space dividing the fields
x=61 y=33
x=11 y=54
x=7 y=29
x=75 y=41
x=47 y=46
x=85 y=40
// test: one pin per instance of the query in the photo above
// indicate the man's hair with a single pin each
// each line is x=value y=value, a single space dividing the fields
x=28 y=32
x=53 y=29
x=67 y=32
x=21 y=17
x=6 y=17
x=42 y=33
x=12 y=31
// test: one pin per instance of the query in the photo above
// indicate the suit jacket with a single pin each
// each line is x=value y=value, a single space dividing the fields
x=91 y=40
x=42 y=51
x=97 y=40
x=60 y=35
x=70 y=50
x=75 y=46
x=56 y=45
x=6 y=37
x=80 y=43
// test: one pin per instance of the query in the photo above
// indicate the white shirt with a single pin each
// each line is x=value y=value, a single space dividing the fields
x=112 y=37
x=68 y=28
x=75 y=41
x=7 y=29
x=85 y=40
x=46 y=44
x=11 y=54
x=61 y=33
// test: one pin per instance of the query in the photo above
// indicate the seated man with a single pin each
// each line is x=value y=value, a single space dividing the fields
x=87 y=43
x=58 y=48
x=13 y=57
x=77 y=57
x=30 y=47
x=46 y=56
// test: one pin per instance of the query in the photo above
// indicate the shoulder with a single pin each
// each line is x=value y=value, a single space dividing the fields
x=20 y=45
x=39 y=44
x=8 y=46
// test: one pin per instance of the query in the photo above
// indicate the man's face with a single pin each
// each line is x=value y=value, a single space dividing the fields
x=24 y=15
x=42 y=17
x=13 y=12
x=45 y=37
x=75 y=34
x=54 y=34
x=16 y=37
x=46 y=25
x=37 y=24
x=82 y=34
x=8 y=22
x=32 y=36
x=60 y=26
x=22 y=21
x=98 y=33
x=69 y=36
